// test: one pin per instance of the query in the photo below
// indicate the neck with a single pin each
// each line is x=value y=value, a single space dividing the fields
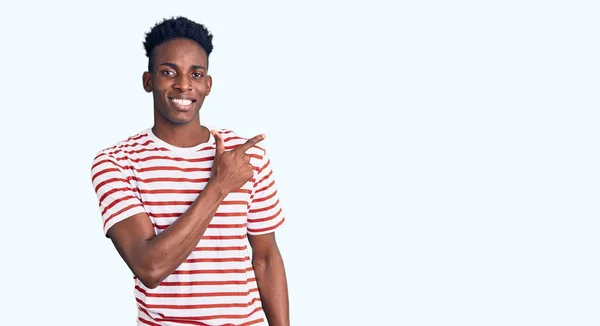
x=187 y=135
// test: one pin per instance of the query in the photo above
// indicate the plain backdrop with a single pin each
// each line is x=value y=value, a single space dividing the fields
x=437 y=161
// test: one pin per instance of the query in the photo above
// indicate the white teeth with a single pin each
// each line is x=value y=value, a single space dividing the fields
x=181 y=102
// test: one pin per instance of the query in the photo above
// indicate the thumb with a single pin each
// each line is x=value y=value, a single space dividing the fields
x=218 y=141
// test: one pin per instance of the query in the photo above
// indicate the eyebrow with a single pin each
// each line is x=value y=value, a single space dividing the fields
x=174 y=66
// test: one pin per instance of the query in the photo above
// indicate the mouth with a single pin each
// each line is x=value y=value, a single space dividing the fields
x=183 y=104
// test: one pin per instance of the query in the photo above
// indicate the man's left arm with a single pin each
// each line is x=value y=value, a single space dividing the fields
x=271 y=279
x=265 y=217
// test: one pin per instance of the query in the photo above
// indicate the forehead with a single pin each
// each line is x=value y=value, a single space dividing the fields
x=181 y=51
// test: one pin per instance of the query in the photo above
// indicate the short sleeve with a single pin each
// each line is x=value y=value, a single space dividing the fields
x=116 y=197
x=265 y=214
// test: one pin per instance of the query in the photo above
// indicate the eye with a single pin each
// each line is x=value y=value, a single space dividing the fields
x=197 y=75
x=168 y=72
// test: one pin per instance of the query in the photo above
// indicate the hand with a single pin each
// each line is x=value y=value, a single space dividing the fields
x=232 y=169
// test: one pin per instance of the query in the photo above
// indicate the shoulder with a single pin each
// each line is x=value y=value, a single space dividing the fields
x=121 y=150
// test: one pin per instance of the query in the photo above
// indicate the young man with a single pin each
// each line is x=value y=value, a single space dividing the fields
x=179 y=200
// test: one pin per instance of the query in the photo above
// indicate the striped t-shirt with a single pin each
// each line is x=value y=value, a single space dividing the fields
x=216 y=284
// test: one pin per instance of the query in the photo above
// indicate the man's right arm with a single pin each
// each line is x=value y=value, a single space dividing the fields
x=153 y=257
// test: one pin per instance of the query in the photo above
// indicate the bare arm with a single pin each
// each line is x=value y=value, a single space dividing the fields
x=153 y=257
x=271 y=278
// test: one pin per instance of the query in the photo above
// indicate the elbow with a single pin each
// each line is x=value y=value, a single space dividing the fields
x=150 y=282
x=260 y=264
x=150 y=277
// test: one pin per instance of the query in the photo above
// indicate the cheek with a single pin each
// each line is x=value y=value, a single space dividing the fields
x=203 y=87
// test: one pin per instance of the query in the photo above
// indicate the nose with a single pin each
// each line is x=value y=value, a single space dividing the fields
x=183 y=83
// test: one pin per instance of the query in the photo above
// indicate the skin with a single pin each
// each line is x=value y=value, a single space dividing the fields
x=180 y=71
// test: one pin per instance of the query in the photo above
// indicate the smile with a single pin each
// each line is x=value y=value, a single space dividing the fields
x=183 y=104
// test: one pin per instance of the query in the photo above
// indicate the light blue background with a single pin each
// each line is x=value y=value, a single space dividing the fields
x=437 y=161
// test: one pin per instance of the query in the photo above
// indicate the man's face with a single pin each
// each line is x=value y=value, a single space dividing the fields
x=179 y=81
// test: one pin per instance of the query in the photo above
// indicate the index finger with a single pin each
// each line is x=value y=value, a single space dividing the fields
x=250 y=142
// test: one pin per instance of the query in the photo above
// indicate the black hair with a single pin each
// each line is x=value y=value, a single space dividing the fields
x=173 y=28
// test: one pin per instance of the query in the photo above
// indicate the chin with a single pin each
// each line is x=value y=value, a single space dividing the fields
x=180 y=118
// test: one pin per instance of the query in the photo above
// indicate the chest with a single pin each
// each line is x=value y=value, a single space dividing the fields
x=168 y=189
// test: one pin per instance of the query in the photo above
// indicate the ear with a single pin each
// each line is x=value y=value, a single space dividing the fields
x=147 y=81
x=209 y=83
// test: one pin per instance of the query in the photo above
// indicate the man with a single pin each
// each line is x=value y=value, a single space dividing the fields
x=179 y=200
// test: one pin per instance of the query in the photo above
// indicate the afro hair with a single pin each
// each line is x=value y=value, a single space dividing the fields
x=175 y=28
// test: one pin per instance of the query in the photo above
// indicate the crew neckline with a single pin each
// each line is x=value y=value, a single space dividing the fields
x=174 y=148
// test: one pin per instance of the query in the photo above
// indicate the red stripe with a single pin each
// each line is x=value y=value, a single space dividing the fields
x=267 y=187
x=265 y=166
x=170 y=191
x=105 y=182
x=235 y=138
x=257 y=210
x=263 y=178
x=101 y=153
x=194 y=322
x=252 y=322
x=173 y=168
x=101 y=172
x=199 y=323
x=224 y=237
x=213 y=271
x=167 y=179
x=232 y=214
x=126 y=145
x=195 y=294
x=210 y=226
x=217 y=260
x=267 y=229
x=122 y=167
x=147 y=322
x=186 y=191
x=265 y=198
x=193 y=283
x=121 y=211
x=132 y=138
x=230 y=248
x=198 y=306
x=198 y=318
x=137 y=151
x=120 y=200
x=112 y=191
x=137 y=137
x=177 y=214
x=148 y=314
x=226 y=226
x=242 y=191
x=164 y=226
x=100 y=162
x=264 y=219
x=234 y=202
x=168 y=203
x=164 y=215
x=167 y=158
